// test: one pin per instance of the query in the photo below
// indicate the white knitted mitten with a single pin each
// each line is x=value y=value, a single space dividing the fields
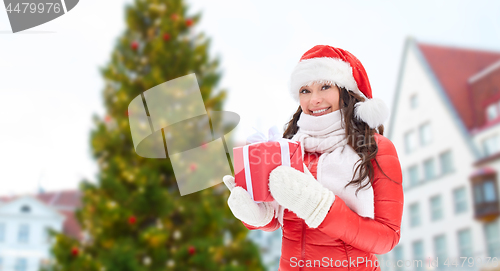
x=244 y=208
x=301 y=193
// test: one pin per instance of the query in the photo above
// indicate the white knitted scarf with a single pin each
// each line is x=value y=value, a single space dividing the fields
x=325 y=134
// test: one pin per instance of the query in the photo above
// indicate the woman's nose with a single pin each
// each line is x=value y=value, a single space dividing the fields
x=316 y=98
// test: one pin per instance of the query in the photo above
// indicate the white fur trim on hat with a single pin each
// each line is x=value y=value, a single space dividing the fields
x=372 y=111
x=322 y=69
x=335 y=71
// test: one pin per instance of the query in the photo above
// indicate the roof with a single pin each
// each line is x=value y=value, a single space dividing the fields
x=483 y=171
x=65 y=202
x=457 y=70
x=65 y=198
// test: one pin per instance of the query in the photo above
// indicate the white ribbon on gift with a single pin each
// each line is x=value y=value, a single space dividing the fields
x=259 y=137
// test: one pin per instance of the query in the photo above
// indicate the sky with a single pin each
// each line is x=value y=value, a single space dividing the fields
x=50 y=83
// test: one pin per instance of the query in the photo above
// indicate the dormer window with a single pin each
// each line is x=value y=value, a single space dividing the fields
x=25 y=209
x=492 y=112
x=490 y=145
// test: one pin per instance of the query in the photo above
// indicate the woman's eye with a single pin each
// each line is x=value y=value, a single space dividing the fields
x=302 y=91
x=327 y=86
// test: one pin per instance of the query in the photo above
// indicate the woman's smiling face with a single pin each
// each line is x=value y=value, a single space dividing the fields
x=317 y=97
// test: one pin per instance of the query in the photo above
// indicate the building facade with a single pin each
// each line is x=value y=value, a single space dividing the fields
x=445 y=127
x=24 y=220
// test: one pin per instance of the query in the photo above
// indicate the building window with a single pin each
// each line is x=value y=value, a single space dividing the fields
x=413 y=174
x=418 y=254
x=489 y=191
x=429 y=169
x=25 y=209
x=485 y=192
x=492 y=112
x=446 y=162
x=23 y=233
x=485 y=195
x=414 y=101
x=410 y=141
x=478 y=194
x=2 y=232
x=436 y=208
x=440 y=250
x=398 y=256
x=464 y=243
x=425 y=134
x=45 y=235
x=490 y=145
x=492 y=238
x=414 y=214
x=21 y=264
x=460 y=200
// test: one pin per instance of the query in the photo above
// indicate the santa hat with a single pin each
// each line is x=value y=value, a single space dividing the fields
x=327 y=64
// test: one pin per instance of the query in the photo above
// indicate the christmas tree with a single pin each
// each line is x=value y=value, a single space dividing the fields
x=134 y=218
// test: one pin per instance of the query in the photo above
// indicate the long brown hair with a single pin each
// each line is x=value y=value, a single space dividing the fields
x=359 y=136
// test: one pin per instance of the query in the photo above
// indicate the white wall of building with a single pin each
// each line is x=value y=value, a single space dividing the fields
x=36 y=247
x=446 y=134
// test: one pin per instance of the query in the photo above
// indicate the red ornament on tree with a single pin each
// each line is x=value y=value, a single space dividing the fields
x=189 y=22
x=74 y=251
x=191 y=250
x=166 y=36
x=193 y=167
x=107 y=118
x=134 y=45
x=132 y=220
x=174 y=17
x=204 y=145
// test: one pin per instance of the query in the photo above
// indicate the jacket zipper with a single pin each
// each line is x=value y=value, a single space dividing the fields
x=347 y=256
x=303 y=244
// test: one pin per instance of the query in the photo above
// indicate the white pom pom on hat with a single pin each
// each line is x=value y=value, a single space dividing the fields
x=324 y=63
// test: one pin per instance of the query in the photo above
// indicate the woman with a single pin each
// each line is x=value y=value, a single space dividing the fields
x=348 y=204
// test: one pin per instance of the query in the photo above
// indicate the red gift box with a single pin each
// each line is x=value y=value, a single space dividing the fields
x=253 y=163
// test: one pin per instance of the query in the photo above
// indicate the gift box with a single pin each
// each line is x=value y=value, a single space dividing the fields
x=254 y=162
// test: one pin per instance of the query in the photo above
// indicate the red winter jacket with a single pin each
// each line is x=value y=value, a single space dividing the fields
x=345 y=240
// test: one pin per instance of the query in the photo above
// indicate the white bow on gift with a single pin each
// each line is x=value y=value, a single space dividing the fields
x=259 y=137
x=273 y=136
